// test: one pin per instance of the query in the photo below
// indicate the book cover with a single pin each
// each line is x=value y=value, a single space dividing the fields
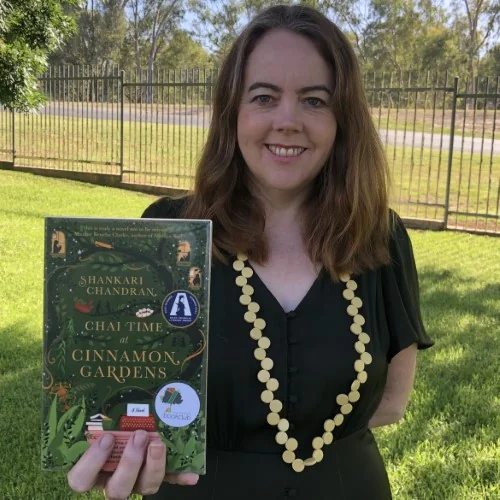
x=125 y=339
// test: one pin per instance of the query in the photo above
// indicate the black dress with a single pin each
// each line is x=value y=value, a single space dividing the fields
x=313 y=353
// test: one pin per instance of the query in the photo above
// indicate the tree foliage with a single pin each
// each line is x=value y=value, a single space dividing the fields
x=460 y=37
x=29 y=31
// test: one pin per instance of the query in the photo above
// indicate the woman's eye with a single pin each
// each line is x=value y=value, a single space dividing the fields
x=262 y=99
x=315 y=102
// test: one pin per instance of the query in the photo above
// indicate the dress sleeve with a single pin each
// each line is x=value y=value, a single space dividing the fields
x=164 y=208
x=401 y=294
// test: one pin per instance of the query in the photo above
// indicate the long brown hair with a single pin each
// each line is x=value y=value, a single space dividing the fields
x=347 y=216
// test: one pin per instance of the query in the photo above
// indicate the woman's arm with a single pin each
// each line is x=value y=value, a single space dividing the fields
x=398 y=387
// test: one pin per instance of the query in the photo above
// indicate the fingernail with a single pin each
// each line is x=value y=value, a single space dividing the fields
x=140 y=438
x=106 y=442
x=157 y=450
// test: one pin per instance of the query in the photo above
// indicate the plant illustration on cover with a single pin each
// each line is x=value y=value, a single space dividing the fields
x=125 y=337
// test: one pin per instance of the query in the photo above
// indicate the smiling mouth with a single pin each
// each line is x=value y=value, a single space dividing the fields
x=285 y=152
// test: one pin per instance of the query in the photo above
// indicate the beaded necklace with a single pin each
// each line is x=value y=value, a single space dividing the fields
x=345 y=401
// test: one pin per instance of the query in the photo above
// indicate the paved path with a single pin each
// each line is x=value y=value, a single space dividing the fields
x=197 y=119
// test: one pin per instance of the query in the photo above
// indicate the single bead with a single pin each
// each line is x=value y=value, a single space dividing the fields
x=346 y=409
x=329 y=425
x=281 y=437
x=241 y=280
x=276 y=405
x=344 y=277
x=253 y=306
x=263 y=376
x=288 y=456
x=359 y=347
x=351 y=310
x=283 y=425
x=359 y=319
x=272 y=384
x=267 y=364
x=255 y=333
x=245 y=299
x=247 y=272
x=298 y=465
x=318 y=455
x=338 y=419
x=348 y=294
x=267 y=396
x=355 y=385
x=308 y=462
x=362 y=377
x=241 y=256
x=259 y=354
x=259 y=323
x=364 y=337
x=273 y=418
x=247 y=289
x=317 y=443
x=264 y=342
x=328 y=438
x=354 y=396
x=249 y=317
x=342 y=399
x=351 y=285
x=357 y=302
x=359 y=366
x=292 y=444
x=238 y=265
x=366 y=357
x=356 y=329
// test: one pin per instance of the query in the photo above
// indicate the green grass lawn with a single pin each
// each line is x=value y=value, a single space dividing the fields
x=447 y=446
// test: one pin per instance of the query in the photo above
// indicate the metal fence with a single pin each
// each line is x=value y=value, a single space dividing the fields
x=440 y=134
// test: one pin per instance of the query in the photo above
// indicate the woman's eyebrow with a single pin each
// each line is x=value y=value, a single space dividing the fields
x=302 y=90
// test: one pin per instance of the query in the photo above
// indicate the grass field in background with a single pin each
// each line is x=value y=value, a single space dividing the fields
x=167 y=154
x=446 y=448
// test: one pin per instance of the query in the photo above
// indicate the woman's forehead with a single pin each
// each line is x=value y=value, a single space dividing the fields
x=283 y=58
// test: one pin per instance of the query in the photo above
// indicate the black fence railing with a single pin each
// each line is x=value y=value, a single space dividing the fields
x=440 y=134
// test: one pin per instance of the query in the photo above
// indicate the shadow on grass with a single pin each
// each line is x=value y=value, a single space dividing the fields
x=455 y=384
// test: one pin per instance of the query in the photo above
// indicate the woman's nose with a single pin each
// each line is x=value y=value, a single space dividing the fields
x=287 y=118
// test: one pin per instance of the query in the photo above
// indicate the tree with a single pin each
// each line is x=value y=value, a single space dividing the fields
x=482 y=22
x=102 y=28
x=29 y=31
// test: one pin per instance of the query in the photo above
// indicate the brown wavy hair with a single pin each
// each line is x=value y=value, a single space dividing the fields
x=347 y=215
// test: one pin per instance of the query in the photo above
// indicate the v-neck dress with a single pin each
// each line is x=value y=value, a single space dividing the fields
x=313 y=353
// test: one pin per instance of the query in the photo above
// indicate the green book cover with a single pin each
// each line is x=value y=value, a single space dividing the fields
x=125 y=339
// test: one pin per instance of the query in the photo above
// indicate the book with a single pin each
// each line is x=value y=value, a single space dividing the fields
x=125 y=340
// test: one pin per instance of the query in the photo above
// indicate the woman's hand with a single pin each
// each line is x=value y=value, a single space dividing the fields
x=141 y=469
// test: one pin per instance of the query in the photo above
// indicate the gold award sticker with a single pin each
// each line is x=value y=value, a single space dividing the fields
x=180 y=309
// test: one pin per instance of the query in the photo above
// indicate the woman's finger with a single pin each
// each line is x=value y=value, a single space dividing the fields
x=182 y=478
x=153 y=472
x=121 y=483
x=83 y=476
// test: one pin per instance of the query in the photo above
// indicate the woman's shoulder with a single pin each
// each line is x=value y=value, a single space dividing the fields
x=166 y=208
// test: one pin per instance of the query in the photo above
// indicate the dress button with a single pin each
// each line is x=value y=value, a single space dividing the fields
x=293 y=398
x=291 y=492
x=292 y=369
x=291 y=314
x=292 y=427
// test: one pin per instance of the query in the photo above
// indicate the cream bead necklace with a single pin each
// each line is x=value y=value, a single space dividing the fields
x=345 y=401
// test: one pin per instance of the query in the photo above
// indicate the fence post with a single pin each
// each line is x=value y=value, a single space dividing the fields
x=122 y=104
x=13 y=138
x=450 y=155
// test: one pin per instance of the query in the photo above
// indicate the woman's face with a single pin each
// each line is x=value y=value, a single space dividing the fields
x=286 y=127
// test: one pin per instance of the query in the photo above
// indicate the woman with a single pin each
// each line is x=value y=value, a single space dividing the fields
x=293 y=176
